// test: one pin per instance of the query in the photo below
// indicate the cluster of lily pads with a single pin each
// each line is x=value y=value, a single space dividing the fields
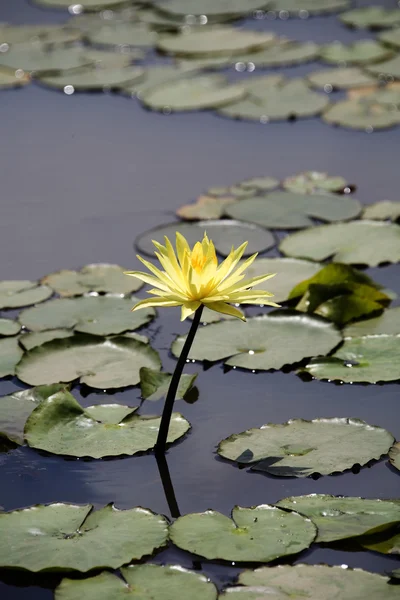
x=103 y=49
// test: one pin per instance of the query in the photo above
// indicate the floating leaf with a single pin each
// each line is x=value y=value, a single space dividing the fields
x=154 y=76
x=205 y=207
x=31 y=340
x=93 y=78
x=61 y=426
x=365 y=113
x=98 y=362
x=394 y=455
x=260 y=184
x=258 y=534
x=14 y=294
x=223 y=233
x=285 y=99
x=140 y=582
x=155 y=384
x=265 y=342
x=291 y=210
x=123 y=33
x=300 y=448
x=340 y=518
x=10 y=78
x=303 y=8
x=360 y=52
x=63 y=536
x=16 y=408
x=341 y=78
x=382 y=211
x=389 y=68
x=108 y=414
x=310 y=581
x=97 y=315
x=360 y=359
x=314 y=182
x=44 y=34
x=39 y=58
x=9 y=327
x=391 y=37
x=10 y=355
x=214 y=9
x=389 y=546
x=371 y=17
x=359 y=242
x=106 y=59
x=86 y=5
x=282 y=52
x=388 y=323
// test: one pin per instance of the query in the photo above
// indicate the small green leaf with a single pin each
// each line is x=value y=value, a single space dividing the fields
x=10 y=355
x=314 y=182
x=9 y=327
x=371 y=17
x=382 y=211
x=155 y=384
x=340 y=78
x=360 y=52
x=14 y=294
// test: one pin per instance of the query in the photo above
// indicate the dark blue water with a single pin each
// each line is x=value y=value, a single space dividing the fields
x=81 y=176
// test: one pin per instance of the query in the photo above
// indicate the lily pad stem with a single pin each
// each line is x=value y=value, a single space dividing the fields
x=173 y=386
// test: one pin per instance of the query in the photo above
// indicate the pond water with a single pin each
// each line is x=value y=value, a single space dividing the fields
x=81 y=177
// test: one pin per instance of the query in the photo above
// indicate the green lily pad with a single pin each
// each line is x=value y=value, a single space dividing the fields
x=281 y=52
x=303 y=8
x=360 y=359
x=361 y=52
x=205 y=207
x=97 y=315
x=382 y=211
x=10 y=355
x=16 y=408
x=291 y=210
x=359 y=242
x=310 y=581
x=108 y=59
x=394 y=455
x=155 y=76
x=389 y=546
x=45 y=34
x=93 y=78
x=10 y=78
x=371 y=17
x=123 y=33
x=367 y=113
x=86 y=5
x=140 y=582
x=340 y=518
x=389 y=68
x=14 y=294
x=340 y=78
x=92 y=278
x=160 y=21
x=388 y=323
x=314 y=182
x=300 y=448
x=98 y=362
x=265 y=342
x=213 y=9
x=9 y=327
x=284 y=99
x=62 y=537
x=40 y=58
x=154 y=385
x=192 y=93
x=390 y=37
x=61 y=426
x=214 y=40
x=260 y=184
x=37 y=338
x=223 y=233
x=258 y=534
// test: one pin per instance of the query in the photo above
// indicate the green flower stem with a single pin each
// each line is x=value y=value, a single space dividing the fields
x=173 y=386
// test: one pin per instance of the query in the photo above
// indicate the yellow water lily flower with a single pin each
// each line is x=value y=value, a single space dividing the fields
x=192 y=277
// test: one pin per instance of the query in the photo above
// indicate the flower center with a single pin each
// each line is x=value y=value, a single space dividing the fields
x=198 y=258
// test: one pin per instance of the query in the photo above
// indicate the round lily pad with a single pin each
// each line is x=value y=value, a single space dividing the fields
x=371 y=17
x=192 y=93
x=155 y=76
x=312 y=581
x=44 y=34
x=291 y=210
x=360 y=52
x=314 y=182
x=83 y=5
x=10 y=355
x=300 y=448
x=140 y=582
x=214 y=40
x=361 y=359
x=37 y=338
x=359 y=242
x=303 y=8
x=382 y=211
x=62 y=537
x=281 y=52
x=339 y=518
x=92 y=278
x=389 y=68
x=258 y=534
x=341 y=78
x=98 y=362
x=97 y=315
x=16 y=408
x=93 y=78
x=213 y=9
x=223 y=233
x=390 y=37
x=394 y=455
x=388 y=322
x=366 y=114
x=265 y=342
x=260 y=184
x=9 y=327
x=110 y=59
x=123 y=33
x=42 y=59
x=10 y=78
x=14 y=294
x=205 y=207
x=61 y=426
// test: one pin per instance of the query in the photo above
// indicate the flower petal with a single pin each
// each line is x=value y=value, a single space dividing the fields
x=226 y=309
x=188 y=309
x=148 y=302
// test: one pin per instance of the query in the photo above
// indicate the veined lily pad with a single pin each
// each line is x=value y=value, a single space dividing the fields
x=10 y=355
x=61 y=426
x=365 y=113
x=223 y=233
x=14 y=294
x=16 y=408
x=140 y=582
x=62 y=537
x=93 y=78
x=86 y=5
x=258 y=534
x=41 y=59
x=9 y=327
x=155 y=384
x=361 y=359
x=341 y=78
x=340 y=518
x=382 y=211
x=120 y=33
x=310 y=581
x=99 y=362
x=359 y=242
x=214 y=40
x=360 y=52
x=389 y=68
x=303 y=8
x=92 y=278
x=388 y=323
x=371 y=17
x=281 y=52
x=37 y=338
x=44 y=34
x=265 y=342
x=97 y=315
x=290 y=210
x=213 y=9
x=389 y=546
x=390 y=37
x=394 y=455
x=300 y=448
x=205 y=207
x=10 y=78
x=314 y=182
